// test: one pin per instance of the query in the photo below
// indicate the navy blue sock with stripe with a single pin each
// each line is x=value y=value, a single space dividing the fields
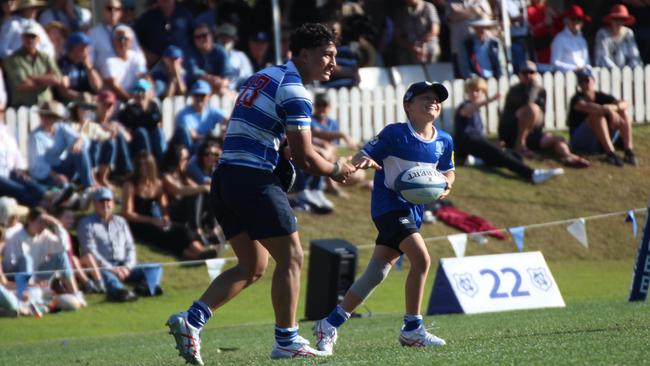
x=198 y=314
x=412 y=322
x=338 y=316
x=285 y=336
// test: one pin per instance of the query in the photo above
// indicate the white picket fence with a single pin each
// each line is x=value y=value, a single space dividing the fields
x=362 y=113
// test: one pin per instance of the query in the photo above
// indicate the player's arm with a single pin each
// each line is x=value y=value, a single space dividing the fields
x=304 y=155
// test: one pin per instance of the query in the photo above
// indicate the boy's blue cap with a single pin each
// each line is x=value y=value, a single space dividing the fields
x=420 y=87
x=173 y=52
x=102 y=193
x=141 y=85
x=201 y=87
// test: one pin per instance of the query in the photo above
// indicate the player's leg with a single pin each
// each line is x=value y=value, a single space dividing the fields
x=413 y=333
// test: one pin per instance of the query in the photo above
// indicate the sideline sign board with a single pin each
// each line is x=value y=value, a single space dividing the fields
x=490 y=283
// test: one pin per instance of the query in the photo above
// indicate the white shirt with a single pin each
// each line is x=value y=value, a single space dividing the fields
x=125 y=72
x=101 y=36
x=38 y=247
x=11 y=36
x=241 y=66
x=10 y=157
x=3 y=93
x=569 y=51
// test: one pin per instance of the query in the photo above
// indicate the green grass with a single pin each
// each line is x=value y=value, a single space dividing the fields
x=597 y=326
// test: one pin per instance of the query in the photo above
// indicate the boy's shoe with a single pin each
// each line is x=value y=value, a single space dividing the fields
x=420 y=338
x=542 y=175
x=630 y=158
x=295 y=349
x=188 y=338
x=613 y=159
x=326 y=335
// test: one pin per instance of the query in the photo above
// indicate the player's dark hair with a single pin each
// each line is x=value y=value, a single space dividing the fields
x=310 y=35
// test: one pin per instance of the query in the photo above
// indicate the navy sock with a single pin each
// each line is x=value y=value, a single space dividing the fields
x=285 y=336
x=338 y=316
x=198 y=314
x=412 y=322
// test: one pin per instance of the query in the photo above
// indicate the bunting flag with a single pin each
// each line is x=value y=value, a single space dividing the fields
x=22 y=279
x=152 y=274
x=398 y=264
x=480 y=239
x=459 y=243
x=214 y=267
x=518 y=236
x=630 y=217
x=579 y=231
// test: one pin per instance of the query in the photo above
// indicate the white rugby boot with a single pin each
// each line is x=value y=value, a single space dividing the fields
x=420 y=338
x=299 y=348
x=326 y=335
x=188 y=338
x=542 y=175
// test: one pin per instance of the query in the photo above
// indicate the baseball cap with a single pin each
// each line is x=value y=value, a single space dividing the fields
x=10 y=207
x=584 y=73
x=173 y=52
x=102 y=193
x=31 y=28
x=260 y=37
x=77 y=38
x=227 y=29
x=420 y=87
x=106 y=97
x=201 y=87
x=142 y=85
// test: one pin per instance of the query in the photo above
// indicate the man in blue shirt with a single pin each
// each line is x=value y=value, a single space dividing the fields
x=77 y=66
x=197 y=120
x=248 y=199
x=208 y=60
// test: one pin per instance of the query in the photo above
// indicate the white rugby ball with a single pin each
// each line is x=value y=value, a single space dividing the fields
x=420 y=184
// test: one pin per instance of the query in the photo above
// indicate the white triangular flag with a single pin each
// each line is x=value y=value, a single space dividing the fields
x=458 y=242
x=214 y=267
x=579 y=231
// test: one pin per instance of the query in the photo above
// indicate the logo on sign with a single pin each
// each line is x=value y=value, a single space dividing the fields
x=465 y=283
x=539 y=278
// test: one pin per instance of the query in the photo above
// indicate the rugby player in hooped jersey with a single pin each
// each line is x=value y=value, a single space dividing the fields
x=248 y=199
x=398 y=147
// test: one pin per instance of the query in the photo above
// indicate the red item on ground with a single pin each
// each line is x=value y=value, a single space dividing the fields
x=467 y=222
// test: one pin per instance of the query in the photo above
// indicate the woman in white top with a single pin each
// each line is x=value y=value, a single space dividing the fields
x=615 y=43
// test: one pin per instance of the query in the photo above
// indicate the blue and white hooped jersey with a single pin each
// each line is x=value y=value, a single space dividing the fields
x=270 y=102
x=397 y=148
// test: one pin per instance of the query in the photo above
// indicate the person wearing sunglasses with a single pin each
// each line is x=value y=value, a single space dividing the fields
x=122 y=71
x=208 y=61
x=569 y=50
x=101 y=34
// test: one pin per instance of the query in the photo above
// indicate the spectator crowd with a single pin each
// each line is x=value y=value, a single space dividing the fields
x=96 y=81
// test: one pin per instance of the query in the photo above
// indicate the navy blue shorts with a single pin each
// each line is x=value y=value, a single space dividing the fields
x=250 y=200
x=393 y=227
x=584 y=140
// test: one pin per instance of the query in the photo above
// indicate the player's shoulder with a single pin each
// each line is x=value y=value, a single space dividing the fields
x=395 y=128
x=443 y=135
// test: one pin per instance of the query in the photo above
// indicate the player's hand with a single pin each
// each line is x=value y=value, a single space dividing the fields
x=345 y=169
x=447 y=191
x=361 y=161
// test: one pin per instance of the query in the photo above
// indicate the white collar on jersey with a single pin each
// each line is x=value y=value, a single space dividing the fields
x=415 y=134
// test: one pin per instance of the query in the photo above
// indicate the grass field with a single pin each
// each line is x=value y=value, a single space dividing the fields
x=597 y=327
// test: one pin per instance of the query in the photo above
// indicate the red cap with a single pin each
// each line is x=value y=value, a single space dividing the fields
x=106 y=97
x=576 y=12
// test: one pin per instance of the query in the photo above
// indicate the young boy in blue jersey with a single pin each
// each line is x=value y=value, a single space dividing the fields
x=398 y=147
x=248 y=199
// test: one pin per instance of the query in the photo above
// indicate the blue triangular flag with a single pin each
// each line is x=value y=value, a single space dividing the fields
x=518 y=236
x=631 y=218
x=22 y=279
x=152 y=274
x=398 y=264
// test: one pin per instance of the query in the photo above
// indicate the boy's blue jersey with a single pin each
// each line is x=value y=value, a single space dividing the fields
x=397 y=148
x=271 y=102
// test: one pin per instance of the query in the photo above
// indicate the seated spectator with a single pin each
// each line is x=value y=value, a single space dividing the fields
x=114 y=153
x=10 y=214
x=198 y=120
x=13 y=28
x=101 y=35
x=615 y=43
x=241 y=65
x=168 y=74
x=143 y=120
x=107 y=238
x=58 y=34
x=470 y=139
x=569 y=50
x=202 y=164
x=484 y=52
x=459 y=14
x=258 y=50
x=208 y=61
x=72 y=16
x=33 y=73
x=57 y=153
x=15 y=181
x=417 y=26
x=144 y=206
x=167 y=23
x=36 y=248
x=77 y=68
x=188 y=201
x=348 y=53
x=521 y=126
x=594 y=118
x=519 y=31
x=121 y=71
x=541 y=20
